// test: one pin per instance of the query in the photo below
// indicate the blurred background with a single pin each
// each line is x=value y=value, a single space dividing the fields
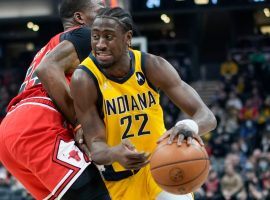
x=220 y=47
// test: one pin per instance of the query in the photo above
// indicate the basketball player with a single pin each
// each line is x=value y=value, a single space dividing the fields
x=36 y=136
x=116 y=98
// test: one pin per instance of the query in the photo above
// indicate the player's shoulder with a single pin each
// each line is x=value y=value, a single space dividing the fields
x=84 y=79
x=86 y=67
x=80 y=39
x=80 y=31
x=88 y=62
x=153 y=61
x=81 y=74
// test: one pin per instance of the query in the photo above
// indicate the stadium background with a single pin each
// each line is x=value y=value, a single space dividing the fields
x=220 y=47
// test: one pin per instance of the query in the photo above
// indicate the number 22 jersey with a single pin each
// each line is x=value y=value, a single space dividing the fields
x=129 y=106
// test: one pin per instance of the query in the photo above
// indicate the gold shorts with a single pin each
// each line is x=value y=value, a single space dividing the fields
x=140 y=186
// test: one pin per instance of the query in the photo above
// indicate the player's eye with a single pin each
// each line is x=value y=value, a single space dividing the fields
x=95 y=36
x=109 y=37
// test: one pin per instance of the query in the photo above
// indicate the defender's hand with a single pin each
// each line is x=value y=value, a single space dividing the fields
x=79 y=139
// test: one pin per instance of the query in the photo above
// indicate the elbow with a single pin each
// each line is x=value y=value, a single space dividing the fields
x=213 y=121
x=40 y=70
x=46 y=67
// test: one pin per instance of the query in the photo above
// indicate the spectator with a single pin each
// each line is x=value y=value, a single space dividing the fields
x=228 y=69
x=212 y=187
x=234 y=101
x=249 y=111
x=252 y=186
x=232 y=186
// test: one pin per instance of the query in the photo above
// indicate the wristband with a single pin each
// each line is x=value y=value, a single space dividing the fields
x=191 y=124
x=77 y=128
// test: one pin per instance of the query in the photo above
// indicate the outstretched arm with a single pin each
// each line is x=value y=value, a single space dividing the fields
x=51 y=72
x=182 y=94
x=84 y=93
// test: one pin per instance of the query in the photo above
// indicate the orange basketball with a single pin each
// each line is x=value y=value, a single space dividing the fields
x=179 y=170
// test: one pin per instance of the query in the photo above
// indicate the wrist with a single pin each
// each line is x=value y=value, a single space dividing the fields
x=191 y=124
x=113 y=154
x=77 y=128
x=102 y=154
x=75 y=123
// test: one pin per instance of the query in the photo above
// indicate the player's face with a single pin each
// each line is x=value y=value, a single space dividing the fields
x=109 y=41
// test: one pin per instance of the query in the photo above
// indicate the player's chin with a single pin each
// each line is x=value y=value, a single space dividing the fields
x=105 y=64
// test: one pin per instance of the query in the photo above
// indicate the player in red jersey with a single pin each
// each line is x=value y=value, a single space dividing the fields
x=36 y=137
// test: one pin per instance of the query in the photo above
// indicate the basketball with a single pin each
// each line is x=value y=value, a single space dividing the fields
x=179 y=169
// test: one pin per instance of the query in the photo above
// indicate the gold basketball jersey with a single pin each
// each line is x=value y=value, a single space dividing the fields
x=130 y=106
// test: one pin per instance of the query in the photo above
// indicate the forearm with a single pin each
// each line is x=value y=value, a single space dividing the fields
x=64 y=102
x=200 y=113
x=101 y=153
x=188 y=100
x=58 y=90
x=205 y=120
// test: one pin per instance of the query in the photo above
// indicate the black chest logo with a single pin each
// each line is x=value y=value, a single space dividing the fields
x=140 y=78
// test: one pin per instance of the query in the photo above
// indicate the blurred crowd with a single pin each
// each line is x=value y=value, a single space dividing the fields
x=10 y=188
x=239 y=148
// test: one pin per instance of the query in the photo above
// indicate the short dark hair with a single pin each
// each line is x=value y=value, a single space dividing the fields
x=69 y=7
x=118 y=14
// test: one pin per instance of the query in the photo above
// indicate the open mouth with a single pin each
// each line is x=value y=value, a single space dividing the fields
x=102 y=56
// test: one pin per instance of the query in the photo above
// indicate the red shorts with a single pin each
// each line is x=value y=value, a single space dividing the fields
x=38 y=150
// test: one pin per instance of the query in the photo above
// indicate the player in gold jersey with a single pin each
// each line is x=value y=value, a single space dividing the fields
x=116 y=98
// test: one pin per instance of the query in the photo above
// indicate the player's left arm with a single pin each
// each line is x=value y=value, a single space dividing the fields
x=182 y=94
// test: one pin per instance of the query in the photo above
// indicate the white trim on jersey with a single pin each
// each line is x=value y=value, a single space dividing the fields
x=62 y=155
x=46 y=98
x=71 y=182
x=33 y=103
x=59 y=184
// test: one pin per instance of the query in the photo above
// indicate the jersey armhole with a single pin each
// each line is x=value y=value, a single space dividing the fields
x=143 y=65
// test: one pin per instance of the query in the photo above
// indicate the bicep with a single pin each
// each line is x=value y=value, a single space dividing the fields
x=62 y=58
x=85 y=96
x=183 y=95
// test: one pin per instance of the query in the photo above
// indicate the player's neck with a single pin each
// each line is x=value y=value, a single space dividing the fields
x=120 y=69
x=69 y=25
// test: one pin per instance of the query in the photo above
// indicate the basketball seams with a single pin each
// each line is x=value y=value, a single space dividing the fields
x=161 y=146
x=190 y=183
x=206 y=164
x=183 y=161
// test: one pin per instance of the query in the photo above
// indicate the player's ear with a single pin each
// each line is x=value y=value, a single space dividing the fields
x=78 y=17
x=129 y=37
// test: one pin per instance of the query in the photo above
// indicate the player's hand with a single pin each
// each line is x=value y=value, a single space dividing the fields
x=127 y=155
x=79 y=139
x=182 y=131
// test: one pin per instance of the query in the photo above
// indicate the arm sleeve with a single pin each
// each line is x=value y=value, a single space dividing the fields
x=81 y=39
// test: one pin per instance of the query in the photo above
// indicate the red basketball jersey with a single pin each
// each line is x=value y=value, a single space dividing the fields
x=32 y=87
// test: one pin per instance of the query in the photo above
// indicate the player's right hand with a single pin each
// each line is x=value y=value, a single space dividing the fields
x=127 y=155
x=183 y=130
